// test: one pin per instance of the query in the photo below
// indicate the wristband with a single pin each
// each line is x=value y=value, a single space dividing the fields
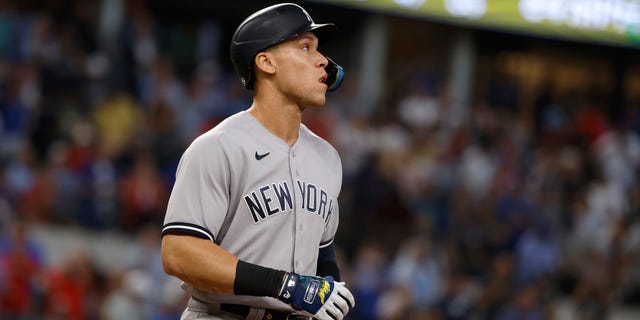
x=255 y=280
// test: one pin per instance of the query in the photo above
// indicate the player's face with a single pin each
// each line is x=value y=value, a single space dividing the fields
x=300 y=70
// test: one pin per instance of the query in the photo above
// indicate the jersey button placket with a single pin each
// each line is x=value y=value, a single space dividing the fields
x=300 y=234
x=293 y=155
x=295 y=173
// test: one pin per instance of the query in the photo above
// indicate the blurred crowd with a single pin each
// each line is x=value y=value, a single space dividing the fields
x=475 y=215
x=447 y=212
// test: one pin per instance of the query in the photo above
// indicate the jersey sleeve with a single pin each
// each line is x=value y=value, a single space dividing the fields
x=334 y=219
x=199 y=199
x=331 y=227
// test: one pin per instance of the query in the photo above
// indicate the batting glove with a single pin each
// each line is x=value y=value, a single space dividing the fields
x=320 y=298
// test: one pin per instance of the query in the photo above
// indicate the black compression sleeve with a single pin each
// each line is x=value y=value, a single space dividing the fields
x=255 y=280
x=327 y=263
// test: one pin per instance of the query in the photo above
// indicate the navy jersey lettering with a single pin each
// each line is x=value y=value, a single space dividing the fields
x=283 y=194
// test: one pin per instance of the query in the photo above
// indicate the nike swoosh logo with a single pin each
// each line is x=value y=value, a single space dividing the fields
x=261 y=156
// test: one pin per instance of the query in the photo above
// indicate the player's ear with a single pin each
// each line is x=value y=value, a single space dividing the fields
x=265 y=62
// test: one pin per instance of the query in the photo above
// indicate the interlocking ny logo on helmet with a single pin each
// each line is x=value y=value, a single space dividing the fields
x=271 y=26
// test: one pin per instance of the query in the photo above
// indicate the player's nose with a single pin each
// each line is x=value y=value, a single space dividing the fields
x=323 y=62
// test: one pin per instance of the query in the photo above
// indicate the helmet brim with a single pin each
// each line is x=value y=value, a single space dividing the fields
x=324 y=31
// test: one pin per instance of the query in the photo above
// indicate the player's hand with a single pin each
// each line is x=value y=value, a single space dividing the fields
x=320 y=298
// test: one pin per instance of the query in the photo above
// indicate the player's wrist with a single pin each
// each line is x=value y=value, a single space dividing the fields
x=255 y=280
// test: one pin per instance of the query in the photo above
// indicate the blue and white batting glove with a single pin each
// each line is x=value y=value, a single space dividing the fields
x=320 y=298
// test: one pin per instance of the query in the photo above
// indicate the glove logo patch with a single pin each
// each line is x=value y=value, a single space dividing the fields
x=324 y=290
x=310 y=294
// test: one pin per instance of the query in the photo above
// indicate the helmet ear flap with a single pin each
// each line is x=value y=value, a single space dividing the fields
x=335 y=74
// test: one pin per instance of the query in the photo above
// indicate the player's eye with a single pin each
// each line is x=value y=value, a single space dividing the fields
x=305 y=47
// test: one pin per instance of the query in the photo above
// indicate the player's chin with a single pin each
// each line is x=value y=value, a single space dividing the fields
x=317 y=99
x=318 y=102
x=312 y=104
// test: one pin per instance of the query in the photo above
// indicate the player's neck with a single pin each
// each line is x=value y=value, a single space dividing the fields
x=283 y=120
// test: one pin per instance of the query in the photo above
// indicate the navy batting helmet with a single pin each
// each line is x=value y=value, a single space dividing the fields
x=271 y=26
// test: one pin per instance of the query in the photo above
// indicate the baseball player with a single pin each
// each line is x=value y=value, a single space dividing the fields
x=252 y=216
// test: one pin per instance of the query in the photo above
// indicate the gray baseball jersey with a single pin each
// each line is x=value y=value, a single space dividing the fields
x=262 y=200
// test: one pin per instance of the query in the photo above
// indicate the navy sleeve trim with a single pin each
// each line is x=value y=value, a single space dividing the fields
x=188 y=229
x=326 y=243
